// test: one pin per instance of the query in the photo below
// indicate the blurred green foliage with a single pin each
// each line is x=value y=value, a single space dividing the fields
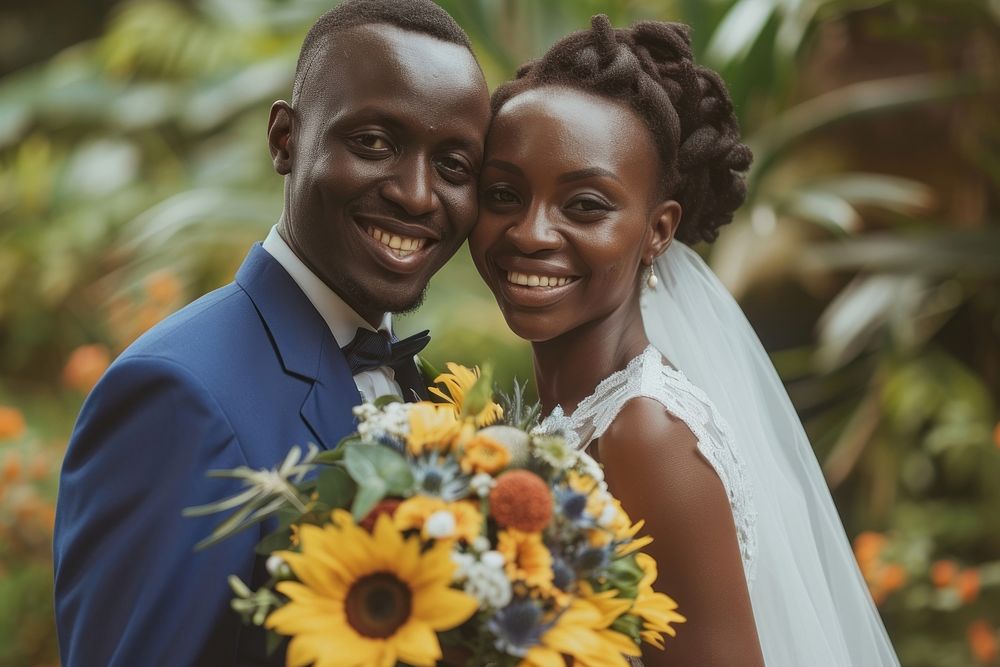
x=134 y=175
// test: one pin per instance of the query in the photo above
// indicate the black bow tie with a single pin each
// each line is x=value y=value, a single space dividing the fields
x=374 y=349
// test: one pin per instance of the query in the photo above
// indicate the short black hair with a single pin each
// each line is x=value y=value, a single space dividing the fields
x=650 y=68
x=422 y=16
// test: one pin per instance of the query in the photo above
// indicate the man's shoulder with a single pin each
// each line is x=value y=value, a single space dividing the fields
x=212 y=317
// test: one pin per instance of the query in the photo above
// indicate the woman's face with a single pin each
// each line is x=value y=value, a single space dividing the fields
x=568 y=213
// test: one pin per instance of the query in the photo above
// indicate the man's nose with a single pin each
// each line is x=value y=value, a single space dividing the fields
x=412 y=187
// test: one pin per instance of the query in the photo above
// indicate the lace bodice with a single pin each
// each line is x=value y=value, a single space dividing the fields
x=648 y=376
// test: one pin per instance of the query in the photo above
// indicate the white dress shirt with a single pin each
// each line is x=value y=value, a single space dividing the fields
x=340 y=317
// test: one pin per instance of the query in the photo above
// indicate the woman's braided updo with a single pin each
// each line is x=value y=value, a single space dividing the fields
x=649 y=68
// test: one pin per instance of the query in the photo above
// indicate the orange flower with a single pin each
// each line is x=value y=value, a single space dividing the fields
x=527 y=558
x=521 y=500
x=996 y=434
x=943 y=572
x=983 y=642
x=893 y=577
x=967 y=585
x=11 y=423
x=11 y=468
x=85 y=367
x=414 y=512
x=484 y=454
x=384 y=506
x=163 y=287
x=867 y=548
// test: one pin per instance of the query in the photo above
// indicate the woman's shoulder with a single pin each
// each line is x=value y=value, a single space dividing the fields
x=645 y=428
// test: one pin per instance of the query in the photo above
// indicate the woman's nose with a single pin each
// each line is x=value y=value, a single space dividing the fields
x=534 y=232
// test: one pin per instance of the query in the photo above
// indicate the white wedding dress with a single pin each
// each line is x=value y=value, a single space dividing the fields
x=810 y=603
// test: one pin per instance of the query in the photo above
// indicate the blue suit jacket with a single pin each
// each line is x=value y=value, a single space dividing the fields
x=234 y=379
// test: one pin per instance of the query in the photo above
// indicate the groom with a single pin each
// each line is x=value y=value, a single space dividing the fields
x=379 y=151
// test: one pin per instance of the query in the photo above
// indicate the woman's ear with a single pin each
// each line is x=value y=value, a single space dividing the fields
x=279 y=136
x=665 y=218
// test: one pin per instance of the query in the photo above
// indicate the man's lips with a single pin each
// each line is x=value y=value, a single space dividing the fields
x=398 y=246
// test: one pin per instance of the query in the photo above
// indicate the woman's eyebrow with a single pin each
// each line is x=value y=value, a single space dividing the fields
x=504 y=166
x=580 y=174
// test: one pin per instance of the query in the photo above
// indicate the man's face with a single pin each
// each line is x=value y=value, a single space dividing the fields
x=382 y=153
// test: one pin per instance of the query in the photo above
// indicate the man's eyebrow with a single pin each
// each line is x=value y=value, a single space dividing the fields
x=505 y=166
x=590 y=172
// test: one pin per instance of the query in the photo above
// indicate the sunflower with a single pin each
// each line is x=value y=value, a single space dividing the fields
x=582 y=631
x=459 y=382
x=656 y=610
x=367 y=599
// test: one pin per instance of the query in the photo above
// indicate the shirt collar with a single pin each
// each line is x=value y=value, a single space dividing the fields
x=341 y=318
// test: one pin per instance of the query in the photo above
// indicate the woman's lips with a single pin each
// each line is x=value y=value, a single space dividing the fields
x=533 y=288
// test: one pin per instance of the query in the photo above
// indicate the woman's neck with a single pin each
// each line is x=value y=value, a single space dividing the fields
x=569 y=367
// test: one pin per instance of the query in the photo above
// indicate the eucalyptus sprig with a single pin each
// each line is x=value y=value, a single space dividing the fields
x=267 y=492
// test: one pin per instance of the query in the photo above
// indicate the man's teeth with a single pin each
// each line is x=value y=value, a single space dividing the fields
x=531 y=280
x=401 y=246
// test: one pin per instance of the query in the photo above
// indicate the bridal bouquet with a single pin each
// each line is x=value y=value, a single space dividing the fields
x=435 y=525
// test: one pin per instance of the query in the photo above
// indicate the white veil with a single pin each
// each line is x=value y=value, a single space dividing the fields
x=810 y=602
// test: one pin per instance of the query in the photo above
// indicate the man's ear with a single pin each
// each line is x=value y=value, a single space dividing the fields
x=664 y=221
x=279 y=136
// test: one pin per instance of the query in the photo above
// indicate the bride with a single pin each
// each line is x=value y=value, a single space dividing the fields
x=606 y=157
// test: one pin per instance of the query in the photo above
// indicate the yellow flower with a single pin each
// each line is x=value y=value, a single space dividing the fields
x=412 y=514
x=527 y=558
x=432 y=426
x=367 y=599
x=582 y=632
x=656 y=610
x=458 y=382
x=484 y=454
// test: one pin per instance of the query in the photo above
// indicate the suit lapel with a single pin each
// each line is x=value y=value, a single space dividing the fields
x=304 y=345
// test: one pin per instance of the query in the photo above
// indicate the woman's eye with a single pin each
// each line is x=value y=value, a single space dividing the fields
x=501 y=196
x=588 y=205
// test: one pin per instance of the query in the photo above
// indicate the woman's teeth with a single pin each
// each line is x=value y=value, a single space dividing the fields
x=401 y=246
x=531 y=280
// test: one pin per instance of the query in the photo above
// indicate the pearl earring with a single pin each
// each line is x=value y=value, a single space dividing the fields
x=651 y=279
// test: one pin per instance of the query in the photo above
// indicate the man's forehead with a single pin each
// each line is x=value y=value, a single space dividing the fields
x=383 y=54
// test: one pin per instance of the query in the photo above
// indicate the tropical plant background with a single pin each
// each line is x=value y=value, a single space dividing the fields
x=134 y=176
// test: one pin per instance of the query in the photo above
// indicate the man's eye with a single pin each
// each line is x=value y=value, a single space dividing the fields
x=373 y=142
x=453 y=164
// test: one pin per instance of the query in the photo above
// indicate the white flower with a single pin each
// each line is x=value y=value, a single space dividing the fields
x=392 y=420
x=608 y=515
x=514 y=439
x=493 y=559
x=480 y=544
x=482 y=483
x=587 y=465
x=554 y=450
x=440 y=525
x=489 y=585
x=277 y=567
x=463 y=562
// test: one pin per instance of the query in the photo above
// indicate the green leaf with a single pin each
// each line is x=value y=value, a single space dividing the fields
x=277 y=541
x=368 y=496
x=273 y=641
x=368 y=462
x=387 y=399
x=335 y=487
x=426 y=369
